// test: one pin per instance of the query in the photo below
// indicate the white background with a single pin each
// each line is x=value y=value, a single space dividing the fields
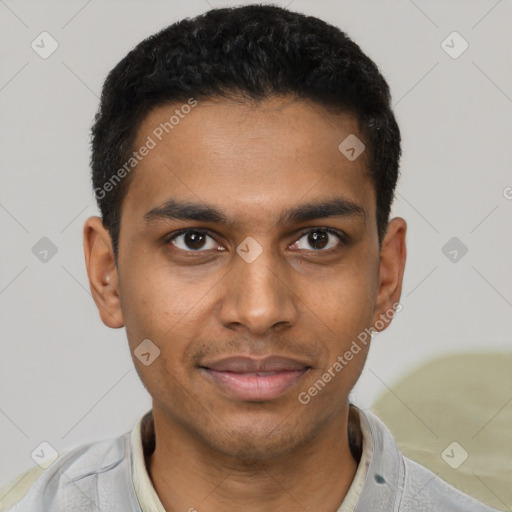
x=67 y=379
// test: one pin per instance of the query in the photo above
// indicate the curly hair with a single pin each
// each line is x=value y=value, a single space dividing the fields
x=252 y=52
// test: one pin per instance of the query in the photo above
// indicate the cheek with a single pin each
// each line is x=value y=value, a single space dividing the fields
x=344 y=303
x=170 y=310
x=158 y=302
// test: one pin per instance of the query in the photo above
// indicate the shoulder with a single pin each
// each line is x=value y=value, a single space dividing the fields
x=90 y=477
x=425 y=491
x=17 y=488
x=398 y=483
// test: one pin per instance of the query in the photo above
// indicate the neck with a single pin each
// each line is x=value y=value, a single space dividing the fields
x=188 y=475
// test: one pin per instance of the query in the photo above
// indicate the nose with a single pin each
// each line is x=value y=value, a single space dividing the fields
x=259 y=297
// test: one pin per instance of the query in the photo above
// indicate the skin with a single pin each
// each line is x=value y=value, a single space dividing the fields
x=252 y=161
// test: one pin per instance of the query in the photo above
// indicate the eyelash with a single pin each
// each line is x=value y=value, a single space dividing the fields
x=342 y=237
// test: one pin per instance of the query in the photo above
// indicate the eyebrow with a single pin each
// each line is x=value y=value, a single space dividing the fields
x=174 y=209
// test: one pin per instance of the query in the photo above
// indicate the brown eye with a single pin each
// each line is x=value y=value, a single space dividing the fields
x=193 y=241
x=318 y=240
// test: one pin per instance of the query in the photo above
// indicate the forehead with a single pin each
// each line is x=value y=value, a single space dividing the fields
x=251 y=160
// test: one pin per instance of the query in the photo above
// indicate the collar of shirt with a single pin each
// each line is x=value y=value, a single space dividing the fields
x=142 y=441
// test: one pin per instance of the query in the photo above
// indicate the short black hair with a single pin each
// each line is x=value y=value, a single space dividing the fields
x=253 y=52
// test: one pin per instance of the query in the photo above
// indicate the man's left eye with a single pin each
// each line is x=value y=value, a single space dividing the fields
x=318 y=240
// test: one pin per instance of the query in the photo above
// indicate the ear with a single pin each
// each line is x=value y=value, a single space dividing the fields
x=102 y=272
x=391 y=273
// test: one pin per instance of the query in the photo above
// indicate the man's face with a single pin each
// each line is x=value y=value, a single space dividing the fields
x=249 y=313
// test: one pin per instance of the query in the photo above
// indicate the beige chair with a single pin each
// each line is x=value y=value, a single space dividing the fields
x=454 y=416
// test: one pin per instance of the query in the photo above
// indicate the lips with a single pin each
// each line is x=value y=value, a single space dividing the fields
x=247 y=378
x=242 y=364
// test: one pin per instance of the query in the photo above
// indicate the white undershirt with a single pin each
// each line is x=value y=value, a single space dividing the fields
x=150 y=502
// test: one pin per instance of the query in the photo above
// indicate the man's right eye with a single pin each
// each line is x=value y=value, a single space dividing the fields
x=193 y=241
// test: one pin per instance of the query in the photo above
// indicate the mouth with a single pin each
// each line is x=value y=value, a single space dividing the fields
x=258 y=380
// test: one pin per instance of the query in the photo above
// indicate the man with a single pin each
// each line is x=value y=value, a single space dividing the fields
x=244 y=163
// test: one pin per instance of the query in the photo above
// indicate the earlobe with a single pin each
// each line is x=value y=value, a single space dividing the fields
x=391 y=271
x=102 y=272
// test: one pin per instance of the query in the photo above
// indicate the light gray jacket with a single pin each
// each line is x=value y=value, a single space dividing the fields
x=98 y=477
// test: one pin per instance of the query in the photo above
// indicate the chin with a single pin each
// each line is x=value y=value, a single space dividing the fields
x=255 y=450
x=253 y=443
